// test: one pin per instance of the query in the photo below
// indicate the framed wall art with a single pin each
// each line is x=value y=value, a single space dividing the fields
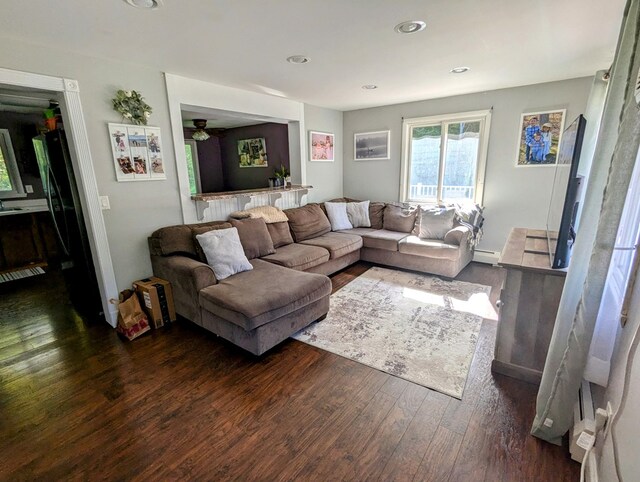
x=540 y=134
x=321 y=146
x=371 y=146
x=253 y=152
x=137 y=152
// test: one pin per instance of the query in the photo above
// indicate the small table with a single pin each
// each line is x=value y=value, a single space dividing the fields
x=527 y=306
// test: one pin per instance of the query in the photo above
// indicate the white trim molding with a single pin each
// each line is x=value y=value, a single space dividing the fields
x=85 y=174
x=198 y=95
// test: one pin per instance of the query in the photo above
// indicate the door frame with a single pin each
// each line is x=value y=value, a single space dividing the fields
x=83 y=168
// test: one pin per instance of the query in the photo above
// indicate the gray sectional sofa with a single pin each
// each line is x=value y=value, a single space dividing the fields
x=288 y=289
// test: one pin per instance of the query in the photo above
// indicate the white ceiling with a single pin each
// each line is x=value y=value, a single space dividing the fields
x=351 y=43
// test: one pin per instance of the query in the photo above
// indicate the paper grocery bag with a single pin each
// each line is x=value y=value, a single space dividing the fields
x=132 y=321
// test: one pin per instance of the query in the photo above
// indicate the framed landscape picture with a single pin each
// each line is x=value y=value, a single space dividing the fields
x=540 y=134
x=321 y=146
x=253 y=152
x=370 y=146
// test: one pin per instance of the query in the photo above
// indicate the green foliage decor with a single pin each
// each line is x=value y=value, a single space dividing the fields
x=132 y=106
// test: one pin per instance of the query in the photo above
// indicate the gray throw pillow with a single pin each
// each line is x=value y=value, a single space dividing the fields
x=224 y=252
x=434 y=223
x=358 y=213
x=337 y=214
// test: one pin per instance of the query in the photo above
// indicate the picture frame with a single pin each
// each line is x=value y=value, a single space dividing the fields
x=252 y=153
x=321 y=146
x=137 y=152
x=372 y=146
x=539 y=138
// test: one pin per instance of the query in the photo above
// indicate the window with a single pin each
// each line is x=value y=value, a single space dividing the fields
x=191 y=151
x=10 y=181
x=443 y=157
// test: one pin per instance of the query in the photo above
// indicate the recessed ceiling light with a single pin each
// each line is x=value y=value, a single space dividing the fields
x=460 y=70
x=369 y=87
x=410 y=26
x=298 y=59
x=149 y=4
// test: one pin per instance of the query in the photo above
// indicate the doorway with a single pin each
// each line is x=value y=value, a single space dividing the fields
x=66 y=92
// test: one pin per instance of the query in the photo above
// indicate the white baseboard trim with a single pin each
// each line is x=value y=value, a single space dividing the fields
x=485 y=256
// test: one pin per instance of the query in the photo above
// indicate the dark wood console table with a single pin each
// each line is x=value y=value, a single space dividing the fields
x=527 y=306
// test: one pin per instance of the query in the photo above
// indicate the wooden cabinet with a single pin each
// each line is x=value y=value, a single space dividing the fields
x=26 y=240
x=527 y=307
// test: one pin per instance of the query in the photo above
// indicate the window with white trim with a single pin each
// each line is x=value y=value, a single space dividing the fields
x=444 y=157
x=10 y=180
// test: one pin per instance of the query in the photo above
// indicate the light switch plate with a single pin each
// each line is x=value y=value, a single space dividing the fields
x=104 y=203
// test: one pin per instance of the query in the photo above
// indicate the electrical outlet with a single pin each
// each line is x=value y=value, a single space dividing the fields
x=28 y=188
x=104 y=203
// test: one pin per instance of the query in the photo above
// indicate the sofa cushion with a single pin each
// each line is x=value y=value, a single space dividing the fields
x=201 y=229
x=280 y=233
x=432 y=248
x=358 y=231
x=254 y=236
x=176 y=239
x=338 y=244
x=376 y=211
x=383 y=239
x=298 y=256
x=251 y=299
x=398 y=218
x=434 y=223
x=307 y=222
x=224 y=252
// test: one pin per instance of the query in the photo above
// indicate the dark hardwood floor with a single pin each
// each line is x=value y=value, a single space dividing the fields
x=77 y=403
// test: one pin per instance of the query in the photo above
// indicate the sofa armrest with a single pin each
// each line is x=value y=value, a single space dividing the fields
x=457 y=236
x=187 y=277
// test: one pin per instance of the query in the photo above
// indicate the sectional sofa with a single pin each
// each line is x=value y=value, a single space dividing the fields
x=288 y=289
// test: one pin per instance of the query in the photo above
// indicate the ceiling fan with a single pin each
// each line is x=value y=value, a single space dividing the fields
x=202 y=133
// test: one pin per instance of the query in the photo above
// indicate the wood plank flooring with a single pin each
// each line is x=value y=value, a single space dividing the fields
x=77 y=403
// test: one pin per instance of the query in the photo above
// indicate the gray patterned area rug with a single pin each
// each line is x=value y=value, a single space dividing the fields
x=413 y=326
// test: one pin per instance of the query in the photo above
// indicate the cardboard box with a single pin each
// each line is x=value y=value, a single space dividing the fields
x=156 y=298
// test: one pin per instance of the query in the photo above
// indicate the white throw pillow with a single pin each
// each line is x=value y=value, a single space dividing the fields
x=434 y=223
x=358 y=214
x=224 y=252
x=337 y=214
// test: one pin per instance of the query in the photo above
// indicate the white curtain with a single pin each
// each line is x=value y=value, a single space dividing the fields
x=608 y=321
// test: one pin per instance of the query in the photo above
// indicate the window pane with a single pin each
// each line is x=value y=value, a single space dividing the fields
x=425 y=162
x=461 y=161
x=5 y=180
x=193 y=187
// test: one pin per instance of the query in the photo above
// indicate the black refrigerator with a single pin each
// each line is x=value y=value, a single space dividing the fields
x=61 y=192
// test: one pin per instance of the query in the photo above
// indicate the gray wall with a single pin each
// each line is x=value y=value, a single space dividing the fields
x=325 y=177
x=137 y=208
x=513 y=196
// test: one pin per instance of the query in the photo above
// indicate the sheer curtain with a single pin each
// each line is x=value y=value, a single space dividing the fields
x=608 y=321
x=607 y=186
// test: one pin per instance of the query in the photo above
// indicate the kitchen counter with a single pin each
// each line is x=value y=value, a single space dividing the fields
x=23 y=207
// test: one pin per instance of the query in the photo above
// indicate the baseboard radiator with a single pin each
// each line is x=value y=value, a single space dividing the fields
x=584 y=425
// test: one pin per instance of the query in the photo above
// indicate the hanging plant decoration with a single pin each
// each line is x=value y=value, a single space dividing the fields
x=132 y=106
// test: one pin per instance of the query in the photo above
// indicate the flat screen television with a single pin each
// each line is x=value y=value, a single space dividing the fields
x=563 y=207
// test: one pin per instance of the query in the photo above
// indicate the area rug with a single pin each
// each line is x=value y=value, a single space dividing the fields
x=413 y=326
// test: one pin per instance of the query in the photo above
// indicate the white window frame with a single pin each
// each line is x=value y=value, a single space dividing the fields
x=196 y=162
x=12 y=167
x=483 y=116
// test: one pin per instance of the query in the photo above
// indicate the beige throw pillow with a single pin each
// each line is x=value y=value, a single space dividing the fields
x=358 y=213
